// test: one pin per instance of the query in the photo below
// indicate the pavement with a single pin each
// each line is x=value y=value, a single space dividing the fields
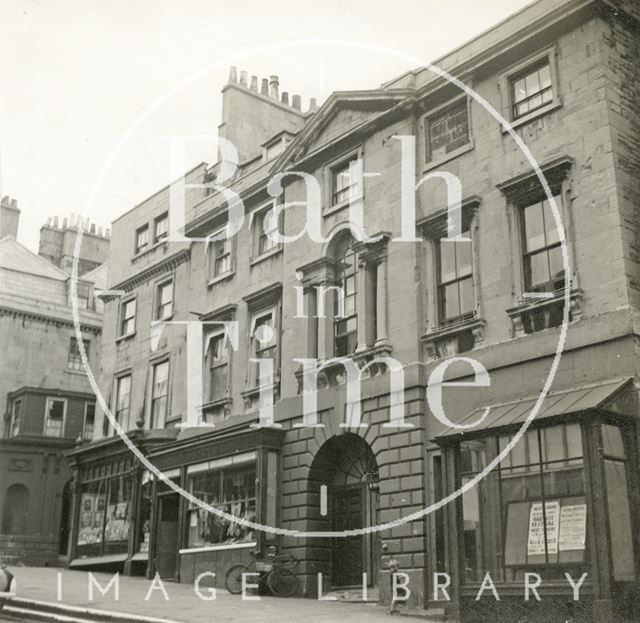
x=181 y=604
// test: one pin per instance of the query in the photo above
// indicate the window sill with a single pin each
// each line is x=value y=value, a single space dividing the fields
x=331 y=373
x=332 y=209
x=216 y=548
x=75 y=372
x=122 y=338
x=456 y=153
x=251 y=397
x=532 y=116
x=522 y=315
x=153 y=247
x=265 y=256
x=450 y=340
x=220 y=278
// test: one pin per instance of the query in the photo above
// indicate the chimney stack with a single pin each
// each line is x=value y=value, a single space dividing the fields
x=254 y=83
x=273 y=87
x=264 y=89
x=313 y=105
x=285 y=98
x=9 y=217
x=296 y=102
x=233 y=74
x=243 y=78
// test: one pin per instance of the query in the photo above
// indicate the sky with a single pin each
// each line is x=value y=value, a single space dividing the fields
x=93 y=89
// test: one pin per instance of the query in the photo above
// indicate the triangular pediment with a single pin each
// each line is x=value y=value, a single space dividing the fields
x=341 y=113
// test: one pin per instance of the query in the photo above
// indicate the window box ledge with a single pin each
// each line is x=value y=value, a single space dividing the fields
x=220 y=278
x=450 y=340
x=533 y=315
x=331 y=373
x=265 y=256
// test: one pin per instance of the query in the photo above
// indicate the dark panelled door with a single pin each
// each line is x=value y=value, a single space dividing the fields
x=348 y=552
x=167 y=536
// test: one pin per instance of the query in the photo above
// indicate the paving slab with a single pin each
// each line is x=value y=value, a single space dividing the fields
x=183 y=605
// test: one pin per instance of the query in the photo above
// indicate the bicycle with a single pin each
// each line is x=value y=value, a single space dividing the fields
x=277 y=572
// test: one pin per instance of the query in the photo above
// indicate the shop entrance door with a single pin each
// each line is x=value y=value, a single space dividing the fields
x=167 y=536
x=349 y=553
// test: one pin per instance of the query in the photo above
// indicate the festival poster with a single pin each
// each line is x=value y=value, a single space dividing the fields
x=536 y=539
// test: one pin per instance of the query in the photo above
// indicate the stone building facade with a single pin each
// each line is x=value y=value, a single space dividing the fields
x=46 y=400
x=561 y=74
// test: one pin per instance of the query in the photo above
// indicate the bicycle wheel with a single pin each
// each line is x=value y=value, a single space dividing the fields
x=233 y=579
x=282 y=582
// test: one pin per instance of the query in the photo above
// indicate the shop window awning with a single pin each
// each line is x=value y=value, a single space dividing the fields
x=616 y=396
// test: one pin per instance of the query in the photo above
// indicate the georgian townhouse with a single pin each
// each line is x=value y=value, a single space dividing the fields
x=46 y=400
x=375 y=286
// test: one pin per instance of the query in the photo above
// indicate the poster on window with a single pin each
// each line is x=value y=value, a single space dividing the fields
x=536 y=539
x=573 y=527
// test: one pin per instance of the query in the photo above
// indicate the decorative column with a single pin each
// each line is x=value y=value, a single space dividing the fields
x=325 y=304
x=311 y=309
x=382 y=305
x=317 y=280
x=373 y=272
x=363 y=284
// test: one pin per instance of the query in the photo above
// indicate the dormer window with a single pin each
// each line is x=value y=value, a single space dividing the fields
x=274 y=147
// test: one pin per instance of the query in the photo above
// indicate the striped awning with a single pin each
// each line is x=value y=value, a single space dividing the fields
x=600 y=396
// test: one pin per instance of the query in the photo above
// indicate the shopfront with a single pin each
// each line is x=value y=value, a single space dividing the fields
x=235 y=471
x=559 y=511
x=111 y=505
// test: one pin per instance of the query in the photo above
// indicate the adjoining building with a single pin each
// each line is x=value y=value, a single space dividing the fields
x=563 y=74
x=46 y=401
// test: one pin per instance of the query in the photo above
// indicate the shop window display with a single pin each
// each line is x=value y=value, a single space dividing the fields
x=231 y=489
x=538 y=493
x=104 y=516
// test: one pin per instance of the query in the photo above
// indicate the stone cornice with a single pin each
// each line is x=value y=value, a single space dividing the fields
x=57 y=321
x=167 y=263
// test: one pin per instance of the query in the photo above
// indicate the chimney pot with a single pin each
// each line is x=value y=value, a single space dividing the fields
x=273 y=86
x=93 y=228
x=243 y=78
x=313 y=105
x=254 y=83
x=285 y=98
x=4 y=201
x=55 y=222
x=14 y=204
x=64 y=223
x=233 y=74
x=296 y=102
x=107 y=234
x=264 y=89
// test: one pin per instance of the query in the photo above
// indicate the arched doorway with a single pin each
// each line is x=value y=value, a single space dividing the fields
x=344 y=475
x=16 y=510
